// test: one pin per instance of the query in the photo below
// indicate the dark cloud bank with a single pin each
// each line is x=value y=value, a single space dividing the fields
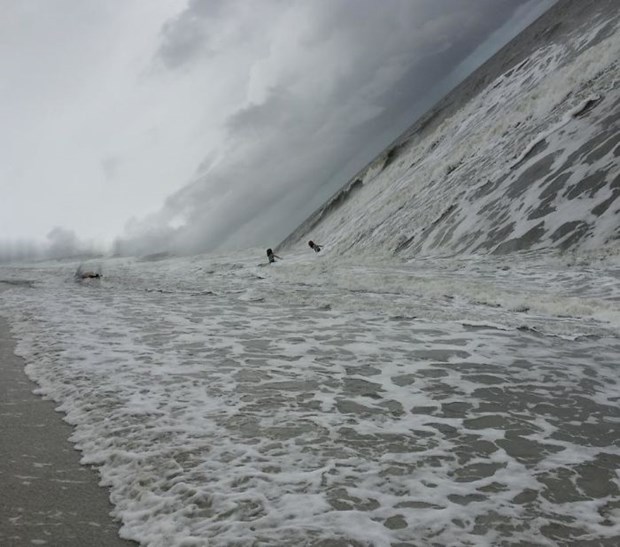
x=288 y=152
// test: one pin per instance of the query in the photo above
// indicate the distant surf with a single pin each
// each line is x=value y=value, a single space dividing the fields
x=523 y=155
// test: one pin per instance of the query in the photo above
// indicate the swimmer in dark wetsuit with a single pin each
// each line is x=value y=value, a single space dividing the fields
x=316 y=248
x=272 y=256
x=81 y=274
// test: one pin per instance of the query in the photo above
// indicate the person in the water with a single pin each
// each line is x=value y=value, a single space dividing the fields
x=272 y=256
x=316 y=248
x=81 y=274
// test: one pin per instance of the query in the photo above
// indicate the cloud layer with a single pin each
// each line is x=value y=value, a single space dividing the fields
x=327 y=83
x=240 y=117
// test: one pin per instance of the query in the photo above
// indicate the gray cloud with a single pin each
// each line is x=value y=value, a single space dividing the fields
x=179 y=48
x=330 y=92
x=190 y=33
x=247 y=115
x=110 y=166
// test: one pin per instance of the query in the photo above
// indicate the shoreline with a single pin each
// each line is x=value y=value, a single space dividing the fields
x=48 y=497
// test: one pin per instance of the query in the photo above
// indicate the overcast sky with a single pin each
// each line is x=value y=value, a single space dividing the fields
x=203 y=123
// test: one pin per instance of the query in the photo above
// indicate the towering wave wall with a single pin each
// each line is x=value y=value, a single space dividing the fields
x=523 y=155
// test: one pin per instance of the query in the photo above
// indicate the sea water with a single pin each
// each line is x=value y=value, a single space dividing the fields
x=436 y=375
x=323 y=401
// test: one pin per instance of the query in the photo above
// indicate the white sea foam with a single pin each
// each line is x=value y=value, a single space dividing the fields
x=431 y=196
x=329 y=400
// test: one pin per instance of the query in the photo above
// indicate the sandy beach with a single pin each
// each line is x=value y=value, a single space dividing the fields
x=47 y=497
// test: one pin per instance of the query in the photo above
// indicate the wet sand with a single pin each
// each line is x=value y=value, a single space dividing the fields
x=46 y=496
